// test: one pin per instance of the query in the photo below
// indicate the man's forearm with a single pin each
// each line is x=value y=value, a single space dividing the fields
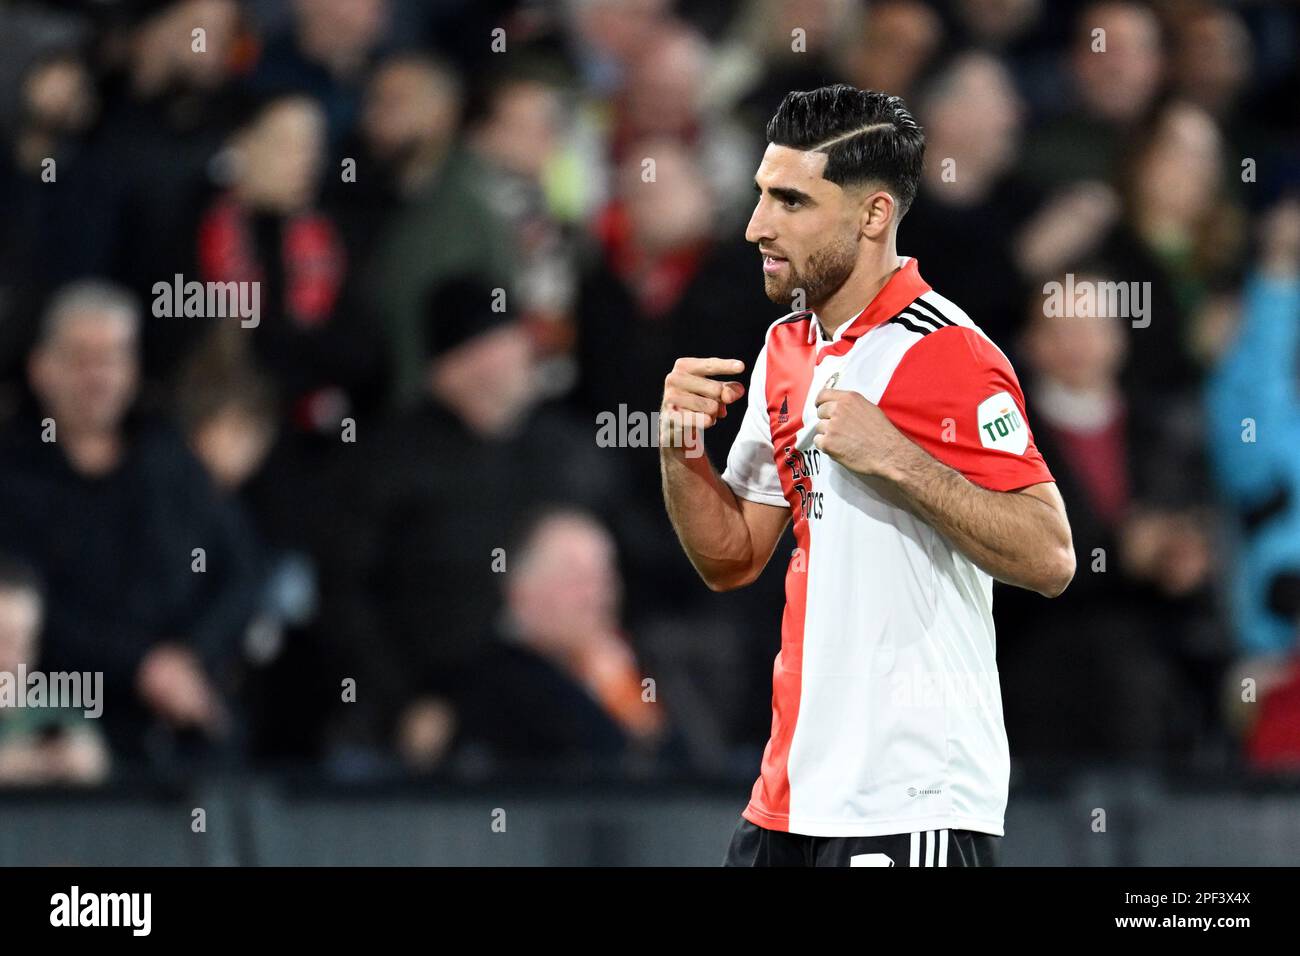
x=706 y=516
x=1014 y=537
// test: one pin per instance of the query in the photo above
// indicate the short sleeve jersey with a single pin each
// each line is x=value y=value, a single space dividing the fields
x=887 y=714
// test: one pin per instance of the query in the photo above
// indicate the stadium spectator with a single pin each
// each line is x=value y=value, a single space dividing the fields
x=1116 y=64
x=607 y=34
x=39 y=173
x=774 y=46
x=1254 y=410
x=426 y=503
x=442 y=224
x=651 y=293
x=54 y=743
x=149 y=575
x=519 y=141
x=266 y=233
x=662 y=98
x=230 y=416
x=563 y=680
x=1180 y=238
x=167 y=112
x=1212 y=58
x=326 y=53
x=1114 y=660
x=970 y=206
x=899 y=41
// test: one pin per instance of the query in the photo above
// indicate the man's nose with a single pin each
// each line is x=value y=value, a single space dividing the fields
x=758 y=229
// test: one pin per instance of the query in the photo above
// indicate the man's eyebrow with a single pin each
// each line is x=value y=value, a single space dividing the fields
x=784 y=193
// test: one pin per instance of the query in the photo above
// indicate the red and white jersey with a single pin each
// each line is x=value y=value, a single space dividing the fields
x=886 y=710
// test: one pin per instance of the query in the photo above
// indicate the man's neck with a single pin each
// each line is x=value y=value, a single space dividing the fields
x=857 y=292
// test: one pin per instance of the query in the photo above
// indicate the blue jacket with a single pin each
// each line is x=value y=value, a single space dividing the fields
x=1257 y=381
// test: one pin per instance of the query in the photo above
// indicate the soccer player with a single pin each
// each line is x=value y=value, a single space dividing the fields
x=893 y=431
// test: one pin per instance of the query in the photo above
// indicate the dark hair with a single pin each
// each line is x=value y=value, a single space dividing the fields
x=867 y=136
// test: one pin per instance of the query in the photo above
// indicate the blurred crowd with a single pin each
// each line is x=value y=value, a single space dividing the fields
x=369 y=527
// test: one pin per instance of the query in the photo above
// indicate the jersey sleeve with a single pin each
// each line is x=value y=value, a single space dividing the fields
x=955 y=394
x=751 y=464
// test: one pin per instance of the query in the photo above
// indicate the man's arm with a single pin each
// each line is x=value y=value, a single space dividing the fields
x=1019 y=537
x=728 y=539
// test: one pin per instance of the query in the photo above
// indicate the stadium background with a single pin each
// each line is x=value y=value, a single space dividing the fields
x=432 y=591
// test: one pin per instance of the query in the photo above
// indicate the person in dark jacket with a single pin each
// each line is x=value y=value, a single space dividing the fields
x=566 y=685
x=426 y=507
x=150 y=578
x=1125 y=665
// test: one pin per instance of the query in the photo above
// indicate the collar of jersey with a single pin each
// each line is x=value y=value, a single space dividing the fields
x=896 y=295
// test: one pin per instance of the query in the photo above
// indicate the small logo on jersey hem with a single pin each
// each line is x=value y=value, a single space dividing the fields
x=929 y=792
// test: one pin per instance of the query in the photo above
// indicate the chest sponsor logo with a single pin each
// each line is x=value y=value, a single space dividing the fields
x=803 y=467
x=1000 y=424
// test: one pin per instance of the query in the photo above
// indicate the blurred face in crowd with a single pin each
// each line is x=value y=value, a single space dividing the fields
x=1079 y=351
x=1119 y=84
x=806 y=227
x=409 y=107
x=996 y=22
x=899 y=39
x=340 y=33
x=164 y=46
x=524 y=128
x=976 y=116
x=86 y=373
x=20 y=623
x=488 y=379
x=618 y=28
x=280 y=156
x=1178 y=175
x=567 y=588
x=664 y=83
x=1213 y=59
x=674 y=210
x=819 y=19
x=59 y=96
x=232 y=444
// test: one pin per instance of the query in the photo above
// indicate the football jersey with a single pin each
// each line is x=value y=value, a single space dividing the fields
x=886 y=709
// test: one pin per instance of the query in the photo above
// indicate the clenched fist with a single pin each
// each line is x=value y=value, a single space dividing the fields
x=857 y=434
x=693 y=401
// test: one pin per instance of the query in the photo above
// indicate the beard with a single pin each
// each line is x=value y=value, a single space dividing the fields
x=826 y=270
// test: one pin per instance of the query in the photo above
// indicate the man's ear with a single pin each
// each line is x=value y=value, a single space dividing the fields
x=878 y=209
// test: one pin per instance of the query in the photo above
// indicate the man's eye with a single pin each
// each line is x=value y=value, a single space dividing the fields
x=791 y=203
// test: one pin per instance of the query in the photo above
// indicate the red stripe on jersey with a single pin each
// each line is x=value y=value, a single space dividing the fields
x=933 y=398
x=789 y=376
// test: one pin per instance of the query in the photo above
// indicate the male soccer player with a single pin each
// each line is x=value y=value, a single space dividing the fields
x=894 y=432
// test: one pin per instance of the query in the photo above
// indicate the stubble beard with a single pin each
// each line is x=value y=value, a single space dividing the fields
x=828 y=268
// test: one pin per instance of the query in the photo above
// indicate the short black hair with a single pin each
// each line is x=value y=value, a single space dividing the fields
x=867 y=136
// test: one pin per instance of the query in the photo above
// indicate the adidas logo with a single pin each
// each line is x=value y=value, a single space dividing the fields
x=784 y=415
